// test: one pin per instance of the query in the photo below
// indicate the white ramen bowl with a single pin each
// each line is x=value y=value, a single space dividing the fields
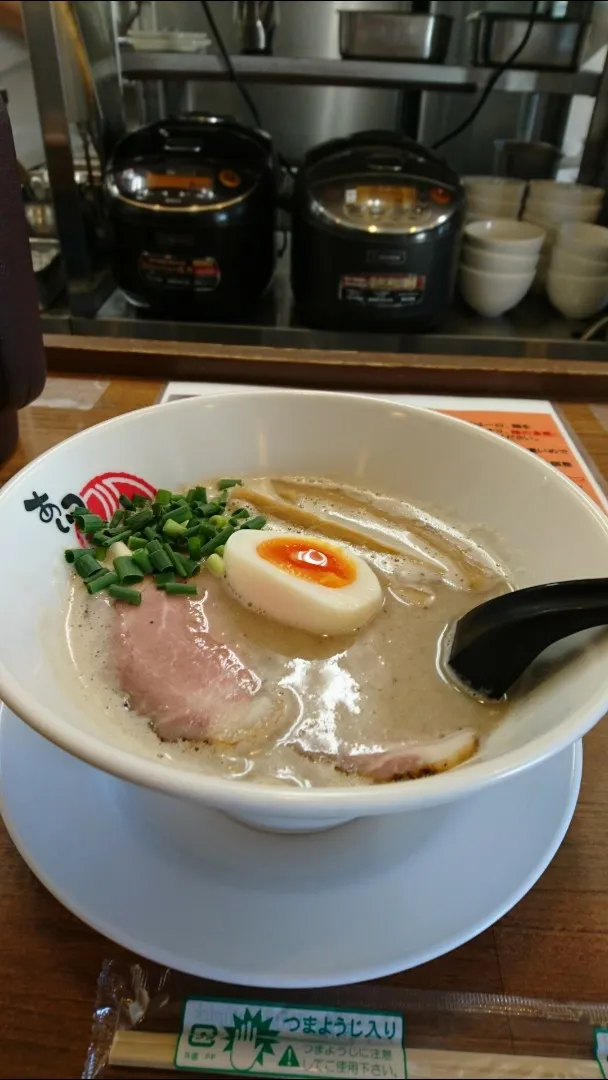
x=495 y=188
x=585 y=241
x=543 y=526
x=541 y=209
x=491 y=208
x=550 y=228
x=492 y=293
x=503 y=234
x=563 y=261
x=577 y=297
x=569 y=195
x=479 y=258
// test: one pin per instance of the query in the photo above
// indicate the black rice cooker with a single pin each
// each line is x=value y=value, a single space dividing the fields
x=376 y=228
x=192 y=201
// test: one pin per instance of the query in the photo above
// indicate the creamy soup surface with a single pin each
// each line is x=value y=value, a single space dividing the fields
x=352 y=709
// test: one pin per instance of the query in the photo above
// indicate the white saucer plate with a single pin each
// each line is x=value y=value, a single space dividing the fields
x=194 y=890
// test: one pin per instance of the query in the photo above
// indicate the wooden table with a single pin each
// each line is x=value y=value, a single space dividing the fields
x=554 y=943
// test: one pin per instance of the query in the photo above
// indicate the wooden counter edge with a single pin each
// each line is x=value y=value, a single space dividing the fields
x=560 y=380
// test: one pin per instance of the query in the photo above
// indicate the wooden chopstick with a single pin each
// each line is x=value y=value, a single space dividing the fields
x=149 y=1050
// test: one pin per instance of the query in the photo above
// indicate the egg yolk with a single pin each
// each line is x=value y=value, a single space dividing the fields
x=323 y=564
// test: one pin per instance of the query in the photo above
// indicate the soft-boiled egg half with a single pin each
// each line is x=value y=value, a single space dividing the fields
x=305 y=582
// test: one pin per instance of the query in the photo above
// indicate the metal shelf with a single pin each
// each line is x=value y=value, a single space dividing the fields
x=534 y=328
x=313 y=72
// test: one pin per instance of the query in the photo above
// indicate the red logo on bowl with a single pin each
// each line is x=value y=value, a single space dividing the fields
x=101 y=495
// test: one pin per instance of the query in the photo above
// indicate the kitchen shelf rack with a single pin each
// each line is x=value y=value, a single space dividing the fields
x=111 y=65
x=373 y=73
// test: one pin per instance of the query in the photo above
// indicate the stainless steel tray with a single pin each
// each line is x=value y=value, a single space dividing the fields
x=554 y=45
x=393 y=35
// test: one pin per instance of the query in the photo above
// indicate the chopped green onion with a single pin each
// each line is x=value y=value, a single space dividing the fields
x=173 y=528
x=166 y=578
x=209 y=510
x=168 y=537
x=217 y=541
x=101 y=581
x=180 y=514
x=177 y=561
x=160 y=560
x=72 y=554
x=129 y=596
x=170 y=551
x=215 y=564
x=91 y=523
x=200 y=528
x=141 y=518
x=116 y=538
x=194 y=546
x=78 y=513
x=86 y=565
x=142 y=559
x=136 y=542
x=128 y=571
x=118 y=549
x=98 y=573
x=102 y=539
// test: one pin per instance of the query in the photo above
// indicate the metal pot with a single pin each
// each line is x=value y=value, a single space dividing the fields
x=394 y=35
x=526 y=160
x=554 y=44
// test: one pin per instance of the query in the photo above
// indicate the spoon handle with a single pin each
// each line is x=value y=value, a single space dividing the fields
x=495 y=642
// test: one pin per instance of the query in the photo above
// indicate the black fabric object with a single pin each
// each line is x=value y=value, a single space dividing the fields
x=22 y=360
x=9 y=432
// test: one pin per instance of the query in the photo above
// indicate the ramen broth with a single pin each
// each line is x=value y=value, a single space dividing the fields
x=334 y=700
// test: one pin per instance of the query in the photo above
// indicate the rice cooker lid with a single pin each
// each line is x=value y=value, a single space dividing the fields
x=382 y=190
x=185 y=185
x=188 y=165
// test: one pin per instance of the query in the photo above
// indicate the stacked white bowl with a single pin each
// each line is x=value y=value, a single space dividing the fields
x=493 y=197
x=577 y=277
x=498 y=263
x=553 y=203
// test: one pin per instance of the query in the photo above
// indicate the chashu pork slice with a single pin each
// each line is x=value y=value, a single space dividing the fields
x=175 y=673
x=411 y=760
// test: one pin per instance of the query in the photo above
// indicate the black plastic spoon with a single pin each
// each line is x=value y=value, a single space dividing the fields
x=493 y=644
